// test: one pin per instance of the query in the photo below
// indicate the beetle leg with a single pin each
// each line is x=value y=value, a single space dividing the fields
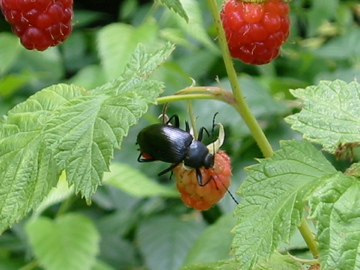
x=176 y=120
x=168 y=169
x=139 y=159
x=187 y=126
x=200 y=180
x=213 y=123
x=201 y=132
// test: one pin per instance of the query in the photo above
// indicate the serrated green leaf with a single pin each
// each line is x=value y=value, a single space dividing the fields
x=214 y=243
x=330 y=115
x=27 y=168
x=164 y=241
x=230 y=264
x=176 y=6
x=68 y=242
x=118 y=41
x=57 y=194
x=280 y=262
x=66 y=128
x=336 y=207
x=274 y=195
x=354 y=170
x=195 y=26
x=143 y=63
x=10 y=48
x=84 y=132
x=136 y=183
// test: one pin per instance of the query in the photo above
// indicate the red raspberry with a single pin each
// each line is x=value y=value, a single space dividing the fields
x=39 y=23
x=255 y=31
x=203 y=197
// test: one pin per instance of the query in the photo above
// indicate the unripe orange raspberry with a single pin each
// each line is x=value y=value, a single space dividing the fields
x=217 y=181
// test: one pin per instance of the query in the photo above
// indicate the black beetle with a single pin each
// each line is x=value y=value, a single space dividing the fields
x=171 y=144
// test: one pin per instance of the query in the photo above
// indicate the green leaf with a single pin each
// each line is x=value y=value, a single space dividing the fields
x=66 y=128
x=12 y=82
x=164 y=241
x=195 y=26
x=27 y=168
x=336 y=207
x=274 y=195
x=136 y=183
x=118 y=41
x=353 y=170
x=343 y=47
x=214 y=243
x=57 y=194
x=99 y=265
x=330 y=115
x=176 y=6
x=220 y=265
x=10 y=48
x=89 y=77
x=47 y=65
x=68 y=242
x=321 y=11
x=280 y=262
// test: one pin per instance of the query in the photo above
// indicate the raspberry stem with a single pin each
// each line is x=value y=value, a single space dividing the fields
x=200 y=92
x=240 y=105
x=309 y=237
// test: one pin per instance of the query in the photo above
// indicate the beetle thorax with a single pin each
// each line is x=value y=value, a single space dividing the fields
x=198 y=156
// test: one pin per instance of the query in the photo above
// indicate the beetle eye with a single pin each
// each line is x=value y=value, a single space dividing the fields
x=209 y=161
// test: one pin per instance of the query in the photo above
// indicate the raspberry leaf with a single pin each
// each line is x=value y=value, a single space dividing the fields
x=280 y=262
x=286 y=179
x=9 y=52
x=64 y=127
x=195 y=27
x=165 y=241
x=69 y=242
x=176 y=6
x=116 y=43
x=336 y=207
x=330 y=115
x=136 y=183
x=214 y=243
x=219 y=265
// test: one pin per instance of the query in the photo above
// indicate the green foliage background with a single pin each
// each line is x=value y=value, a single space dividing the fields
x=70 y=107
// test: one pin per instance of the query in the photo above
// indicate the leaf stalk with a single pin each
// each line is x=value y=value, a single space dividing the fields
x=309 y=237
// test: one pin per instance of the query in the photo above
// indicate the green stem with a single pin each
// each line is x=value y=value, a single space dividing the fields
x=200 y=93
x=31 y=265
x=241 y=105
x=65 y=205
x=309 y=237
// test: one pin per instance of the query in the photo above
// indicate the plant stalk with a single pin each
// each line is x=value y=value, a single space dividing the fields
x=309 y=237
x=240 y=105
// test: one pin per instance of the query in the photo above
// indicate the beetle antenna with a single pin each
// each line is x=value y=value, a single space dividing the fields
x=229 y=192
x=213 y=179
x=231 y=195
